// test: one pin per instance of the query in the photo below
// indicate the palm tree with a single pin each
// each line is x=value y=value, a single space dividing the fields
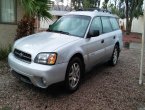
x=32 y=9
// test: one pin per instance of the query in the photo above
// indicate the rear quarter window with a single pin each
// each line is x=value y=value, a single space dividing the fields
x=114 y=23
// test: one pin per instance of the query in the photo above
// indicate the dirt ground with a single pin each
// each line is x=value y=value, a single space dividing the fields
x=132 y=37
x=104 y=88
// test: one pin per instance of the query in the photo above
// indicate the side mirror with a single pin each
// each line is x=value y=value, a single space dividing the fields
x=50 y=26
x=93 y=33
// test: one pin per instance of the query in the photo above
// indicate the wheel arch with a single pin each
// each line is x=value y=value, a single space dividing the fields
x=117 y=43
x=79 y=55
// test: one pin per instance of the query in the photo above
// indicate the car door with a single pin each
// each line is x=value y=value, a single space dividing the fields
x=116 y=34
x=95 y=45
x=109 y=37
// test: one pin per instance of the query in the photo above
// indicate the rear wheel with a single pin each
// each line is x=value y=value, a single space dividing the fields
x=115 y=55
x=73 y=74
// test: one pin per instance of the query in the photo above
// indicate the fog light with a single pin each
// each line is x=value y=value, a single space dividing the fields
x=44 y=81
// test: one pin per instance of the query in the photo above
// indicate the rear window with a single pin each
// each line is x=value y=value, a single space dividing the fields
x=114 y=23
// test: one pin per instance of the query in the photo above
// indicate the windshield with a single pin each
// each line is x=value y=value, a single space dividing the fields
x=75 y=25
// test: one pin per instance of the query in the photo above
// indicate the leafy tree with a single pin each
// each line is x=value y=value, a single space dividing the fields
x=76 y=4
x=95 y=3
x=32 y=9
x=116 y=10
x=133 y=10
x=86 y=4
x=79 y=4
x=105 y=4
x=126 y=8
x=121 y=7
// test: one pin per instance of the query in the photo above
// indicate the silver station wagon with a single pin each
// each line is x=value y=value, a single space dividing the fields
x=71 y=47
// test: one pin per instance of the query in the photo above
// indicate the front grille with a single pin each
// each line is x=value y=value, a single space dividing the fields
x=22 y=55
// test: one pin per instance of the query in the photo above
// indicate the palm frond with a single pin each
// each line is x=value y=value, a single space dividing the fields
x=37 y=8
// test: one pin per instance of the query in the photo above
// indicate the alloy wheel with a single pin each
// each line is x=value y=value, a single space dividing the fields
x=115 y=56
x=74 y=75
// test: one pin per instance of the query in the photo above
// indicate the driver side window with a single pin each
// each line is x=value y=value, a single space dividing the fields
x=96 y=25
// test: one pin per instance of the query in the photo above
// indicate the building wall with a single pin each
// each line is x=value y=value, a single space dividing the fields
x=137 y=24
x=63 y=2
x=45 y=24
x=7 y=34
x=56 y=14
x=8 y=31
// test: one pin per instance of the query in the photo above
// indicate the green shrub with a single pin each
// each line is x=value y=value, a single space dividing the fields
x=4 y=52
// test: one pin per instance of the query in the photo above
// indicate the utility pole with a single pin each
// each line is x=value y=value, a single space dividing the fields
x=142 y=52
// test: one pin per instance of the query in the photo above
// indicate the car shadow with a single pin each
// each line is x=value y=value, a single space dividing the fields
x=97 y=70
x=57 y=90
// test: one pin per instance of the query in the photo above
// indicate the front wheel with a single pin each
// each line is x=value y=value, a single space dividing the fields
x=115 y=55
x=73 y=75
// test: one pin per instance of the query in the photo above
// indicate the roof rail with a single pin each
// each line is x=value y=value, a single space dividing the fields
x=95 y=9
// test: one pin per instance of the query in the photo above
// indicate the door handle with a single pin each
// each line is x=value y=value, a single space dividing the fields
x=114 y=37
x=102 y=41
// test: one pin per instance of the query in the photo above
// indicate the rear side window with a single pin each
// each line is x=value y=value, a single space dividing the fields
x=114 y=23
x=106 y=25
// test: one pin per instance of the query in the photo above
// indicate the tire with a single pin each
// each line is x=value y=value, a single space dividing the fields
x=73 y=75
x=114 y=59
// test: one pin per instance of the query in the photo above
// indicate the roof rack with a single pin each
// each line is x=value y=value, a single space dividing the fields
x=95 y=9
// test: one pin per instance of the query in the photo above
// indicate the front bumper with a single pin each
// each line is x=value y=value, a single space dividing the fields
x=40 y=75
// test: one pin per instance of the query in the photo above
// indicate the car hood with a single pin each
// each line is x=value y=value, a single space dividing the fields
x=43 y=42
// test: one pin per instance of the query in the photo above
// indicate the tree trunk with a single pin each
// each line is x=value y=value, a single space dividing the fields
x=115 y=4
x=25 y=27
x=127 y=17
x=79 y=4
x=129 y=26
x=98 y=4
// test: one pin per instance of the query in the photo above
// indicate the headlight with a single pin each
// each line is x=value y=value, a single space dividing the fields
x=46 y=58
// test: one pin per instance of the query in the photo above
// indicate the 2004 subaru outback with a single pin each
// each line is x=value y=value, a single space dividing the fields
x=74 y=44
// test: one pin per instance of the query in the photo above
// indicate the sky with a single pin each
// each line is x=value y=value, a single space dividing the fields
x=65 y=1
x=101 y=3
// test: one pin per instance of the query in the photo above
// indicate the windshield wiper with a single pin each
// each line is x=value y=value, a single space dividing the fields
x=62 y=32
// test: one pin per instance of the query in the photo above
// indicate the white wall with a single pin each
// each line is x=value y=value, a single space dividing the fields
x=45 y=24
x=65 y=2
x=137 y=24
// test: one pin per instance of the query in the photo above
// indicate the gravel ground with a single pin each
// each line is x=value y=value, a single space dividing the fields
x=104 y=88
